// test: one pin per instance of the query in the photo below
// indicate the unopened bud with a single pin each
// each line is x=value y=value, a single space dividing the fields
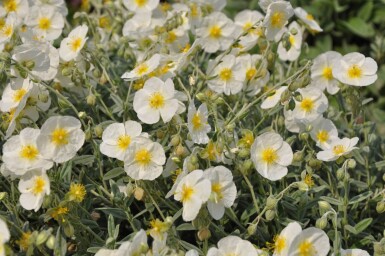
x=180 y=150
x=340 y=174
x=66 y=71
x=352 y=163
x=91 y=99
x=323 y=205
x=380 y=207
x=175 y=140
x=3 y=195
x=293 y=31
x=247 y=165
x=200 y=96
x=270 y=215
x=191 y=80
x=98 y=130
x=50 y=242
x=139 y=193
x=244 y=152
x=303 y=186
x=251 y=229
x=298 y=156
x=82 y=115
x=204 y=234
x=321 y=223
x=304 y=136
x=41 y=237
x=271 y=202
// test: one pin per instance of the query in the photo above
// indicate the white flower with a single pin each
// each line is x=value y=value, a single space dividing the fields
x=233 y=245
x=322 y=71
x=256 y=74
x=264 y=4
x=21 y=154
x=143 y=68
x=135 y=247
x=7 y=29
x=295 y=41
x=193 y=190
x=216 y=32
x=192 y=252
x=311 y=241
x=271 y=155
x=338 y=147
x=141 y=6
x=313 y=104
x=246 y=20
x=18 y=8
x=229 y=76
x=12 y=97
x=73 y=43
x=46 y=22
x=117 y=138
x=156 y=99
x=59 y=5
x=272 y=100
x=138 y=26
x=223 y=190
x=33 y=186
x=353 y=252
x=323 y=132
x=197 y=123
x=356 y=69
x=4 y=236
x=308 y=19
x=278 y=13
x=144 y=160
x=283 y=241
x=60 y=138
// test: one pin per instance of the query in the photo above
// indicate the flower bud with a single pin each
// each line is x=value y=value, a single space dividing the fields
x=98 y=130
x=139 y=193
x=304 y=136
x=269 y=215
x=194 y=159
x=200 y=96
x=91 y=99
x=41 y=237
x=175 y=140
x=3 y=195
x=191 y=80
x=180 y=150
x=321 y=223
x=66 y=71
x=82 y=115
x=298 y=156
x=303 y=186
x=323 y=205
x=204 y=234
x=50 y=242
x=340 y=174
x=244 y=152
x=380 y=207
x=68 y=229
x=271 y=202
x=247 y=165
x=352 y=163
x=251 y=229
x=95 y=216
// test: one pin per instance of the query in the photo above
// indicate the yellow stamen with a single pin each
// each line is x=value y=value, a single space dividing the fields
x=171 y=37
x=339 y=150
x=306 y=248
x=143 y=157
x=250 y=73
x=76 y=43
x=327 y=73
x=277 y=20
x=39 y=185
x=309 y=17
x=19 y=94
x=10 y=5
x=141 y=3
x=354 y=72
x=196 y=121
x=247 y=26
x=269 y=156
x=156 y=100
x=59 y=137
x=142 y=69
x=215 y=32
x=279 y=244
x=187 y=193
x=44 y=23
x=322 y=136
x=216 y=188
x=123 y=142
x=307 y=105
x=29 y=152
x=226 y=74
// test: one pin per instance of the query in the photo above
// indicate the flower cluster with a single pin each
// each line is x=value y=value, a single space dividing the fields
x=175 y=117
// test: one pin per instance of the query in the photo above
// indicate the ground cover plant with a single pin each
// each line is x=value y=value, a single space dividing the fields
x=140 y=127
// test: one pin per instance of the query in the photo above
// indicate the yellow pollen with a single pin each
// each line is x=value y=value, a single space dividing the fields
x=309 y=17
x=187 y=193
x=7 y=30
x=19 y=94
x=186 y=48
x=327 y=73
x=24 y=241
x=292 y=40
x=156 y=100
x=141 y=3
x=142 y=69
x=123 y=142
x=196 y=121
x=171 y=37
x=211 y=151
x=215 y=32
x=194 y=11
x=217 y=189
x=250 y=73
x=138 y=84
x=226 y=74
x=2 y=23
x=354 y=72
x=143 y=156
x=59 y=137
x=76 y=43
x=29 y=152
x=269 y=156
x=309 y=180
x=279 y=244
x=104 y=22
x=165 y=7
x=257 y=31
x=58 y=212
x=44 y=23
x=306 y=248
x=77 y=192
x=38 y=186
x=307 y=105
x=247 y=26
x=339 y=149
x=277 y=20
x=322 y=136
x=10 y=6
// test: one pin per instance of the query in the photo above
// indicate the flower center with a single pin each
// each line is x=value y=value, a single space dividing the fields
x=76 y=43
x=280 y=244
x=250 y=73
x=216 y=188
x=307 y=105
x=269 y=156
x=59 y=137
x=306 y=248
x=124 y=141
x=7 y=30
x=142 y=69
x=215 y=32
x=10 y=6
x=143 y=157
x=248 y=25
x=44 y=23
x=187 y=193
x=171 y=37
x=38 y=185
x=196 y=121
x=29 y=152
x=355 y=72
x=156 y=100
x=141 y=3
x=292 y=40
x=226 y=74
x=277 y=19
x=327 y=73
x=19 y=94
x=322 y=136
x=309 y=17
x=339 y=149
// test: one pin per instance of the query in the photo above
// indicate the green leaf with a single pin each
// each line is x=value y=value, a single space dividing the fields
x=113 y=173
x=379 y=165
x=116 y=212
x=331 y=200
x=361 y=197
x=359 y=27
x=185 y=226
x=60 y=247
x=351 y=229
x=363 y=224
x=84 y=159
x=366 y=11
